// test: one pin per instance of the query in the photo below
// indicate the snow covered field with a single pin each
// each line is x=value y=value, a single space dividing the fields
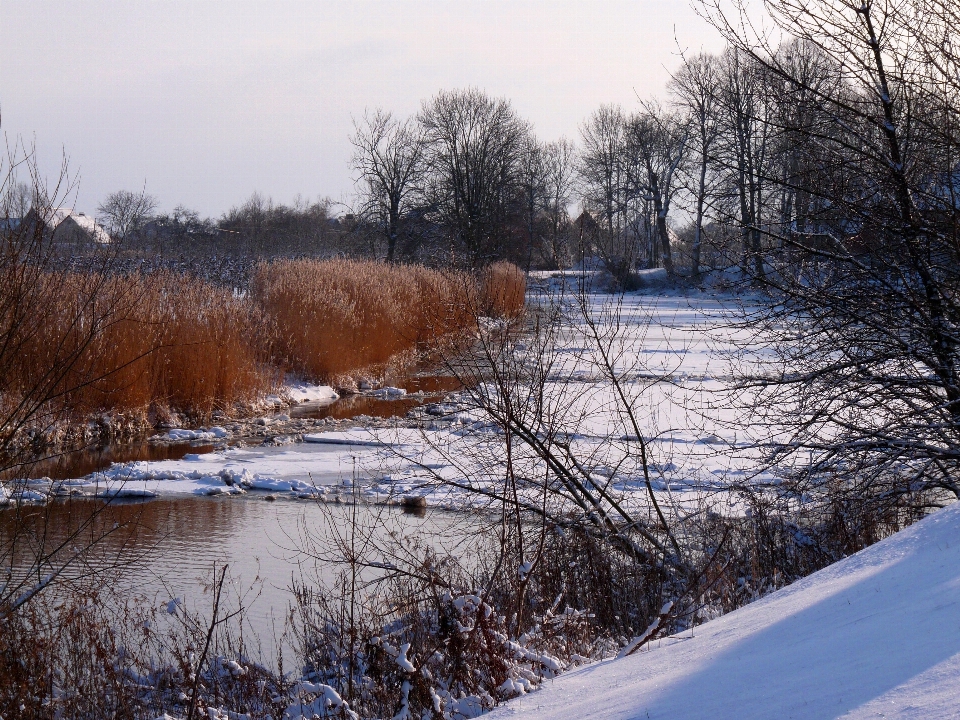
x=876 y=635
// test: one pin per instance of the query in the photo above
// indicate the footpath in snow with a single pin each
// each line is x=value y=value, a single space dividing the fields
x=876 y=635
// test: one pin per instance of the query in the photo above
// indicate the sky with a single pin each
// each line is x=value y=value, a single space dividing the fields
x=204 y=102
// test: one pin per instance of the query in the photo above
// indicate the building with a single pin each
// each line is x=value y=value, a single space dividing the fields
x=69 y=227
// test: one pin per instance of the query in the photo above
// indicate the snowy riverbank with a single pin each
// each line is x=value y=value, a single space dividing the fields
x=872 y=636
x=674 y=351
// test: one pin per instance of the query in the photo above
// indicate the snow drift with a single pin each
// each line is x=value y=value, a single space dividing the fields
x=876 y=635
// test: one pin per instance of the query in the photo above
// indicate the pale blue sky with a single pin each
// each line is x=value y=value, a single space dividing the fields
x=209 y=101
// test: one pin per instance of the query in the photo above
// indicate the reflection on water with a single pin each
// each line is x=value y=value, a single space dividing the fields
x=420 y=389
x=83 y=462
x=176 y=542
x=354 y=406
x=433 y=384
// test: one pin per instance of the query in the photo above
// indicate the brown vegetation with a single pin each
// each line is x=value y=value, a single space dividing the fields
x=335 y=317
x=504 y=288
x=93 y=342
x=136 y=342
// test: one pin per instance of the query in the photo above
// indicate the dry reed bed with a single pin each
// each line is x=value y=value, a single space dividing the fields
x=335 y=317
x=165 y=341
x=138 y=341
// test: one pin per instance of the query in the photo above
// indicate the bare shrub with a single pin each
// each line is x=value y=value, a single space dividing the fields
x=408 y=629
x=91 y=653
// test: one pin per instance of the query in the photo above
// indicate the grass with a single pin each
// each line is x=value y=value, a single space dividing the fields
x=504 y=288
x=169 y=342
x=141 y=341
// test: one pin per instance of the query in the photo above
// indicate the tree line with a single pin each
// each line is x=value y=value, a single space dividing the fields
x=760 y=156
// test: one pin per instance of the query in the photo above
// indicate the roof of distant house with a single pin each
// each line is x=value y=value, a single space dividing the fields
x=90 y=225
x=54 y=217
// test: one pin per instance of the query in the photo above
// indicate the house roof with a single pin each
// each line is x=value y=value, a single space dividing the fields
x=54 y=217
x=91 y=226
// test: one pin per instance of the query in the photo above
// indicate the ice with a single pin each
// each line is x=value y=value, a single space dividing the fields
x=388 y=392
x=184 y=435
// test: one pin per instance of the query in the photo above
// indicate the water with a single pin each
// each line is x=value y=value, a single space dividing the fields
x=83 y=462
x=170 y=547
x=431 y=386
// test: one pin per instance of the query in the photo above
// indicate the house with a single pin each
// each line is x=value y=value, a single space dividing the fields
x=69 y=227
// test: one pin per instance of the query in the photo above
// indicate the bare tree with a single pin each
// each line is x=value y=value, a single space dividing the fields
x=532 y=182
x=389 y=161
x=558 y=159
x=864 y=310
x=605 y=186
x=124 y=213
x=659 y=141
x=16 y=201
x=743 y=150
x=475 y=150
x=694 y=86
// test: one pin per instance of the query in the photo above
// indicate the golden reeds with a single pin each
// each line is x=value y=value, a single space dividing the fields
x=141 y=341
x=168 y=341
x=335 y=317
x=504 y=288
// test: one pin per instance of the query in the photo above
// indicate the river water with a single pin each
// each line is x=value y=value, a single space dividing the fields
x=171 y=547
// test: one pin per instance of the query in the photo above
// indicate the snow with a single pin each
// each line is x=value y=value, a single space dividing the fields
x=185 y=435
x=402 y=660
x=876 y=635
x=302 y=392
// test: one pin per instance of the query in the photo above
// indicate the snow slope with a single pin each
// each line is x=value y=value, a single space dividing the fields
x=876 y=635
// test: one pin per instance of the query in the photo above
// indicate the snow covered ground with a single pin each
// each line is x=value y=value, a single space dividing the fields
x=876 y=635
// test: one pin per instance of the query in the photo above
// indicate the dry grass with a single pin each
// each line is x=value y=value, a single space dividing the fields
x=337 y=317
x=504 y=288
x=180 y=343
x=91 y=342
x=139 y=342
